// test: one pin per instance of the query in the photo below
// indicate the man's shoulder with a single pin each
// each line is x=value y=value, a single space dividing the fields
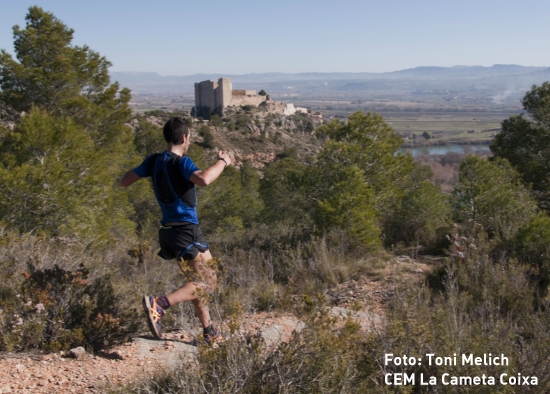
x=147 y=166
x=187 y=167
x=185 y=161
x=151 y=160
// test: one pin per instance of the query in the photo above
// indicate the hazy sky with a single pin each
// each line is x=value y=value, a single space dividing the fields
x=181 y=37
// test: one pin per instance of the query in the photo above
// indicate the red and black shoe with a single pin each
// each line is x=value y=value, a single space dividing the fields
x=154 y=313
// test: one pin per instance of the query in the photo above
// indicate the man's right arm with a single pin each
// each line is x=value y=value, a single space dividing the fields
x=129 y=178
x=137 y=173
x=206 y=177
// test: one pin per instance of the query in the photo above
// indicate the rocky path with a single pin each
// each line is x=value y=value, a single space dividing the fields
x=78 y=372
x=363 y=298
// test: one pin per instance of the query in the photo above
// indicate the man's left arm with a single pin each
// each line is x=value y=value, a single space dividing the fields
x=206 y=177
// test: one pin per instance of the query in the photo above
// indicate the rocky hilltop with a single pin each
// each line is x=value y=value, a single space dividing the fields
x=253 y=135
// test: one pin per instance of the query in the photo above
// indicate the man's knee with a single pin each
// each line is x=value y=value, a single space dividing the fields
x=204 y=257
x=203 y=266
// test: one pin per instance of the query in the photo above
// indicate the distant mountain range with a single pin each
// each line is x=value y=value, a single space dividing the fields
x=499 y=76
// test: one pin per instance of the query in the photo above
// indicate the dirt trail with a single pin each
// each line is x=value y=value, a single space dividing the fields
x=143 y=356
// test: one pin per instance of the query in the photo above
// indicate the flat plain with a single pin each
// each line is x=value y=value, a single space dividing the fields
x=446 y=118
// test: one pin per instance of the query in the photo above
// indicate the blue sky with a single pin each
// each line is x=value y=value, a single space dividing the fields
x=237 y=37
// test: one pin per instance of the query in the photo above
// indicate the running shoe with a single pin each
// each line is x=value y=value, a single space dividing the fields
x=154 y=313
x=212 y=339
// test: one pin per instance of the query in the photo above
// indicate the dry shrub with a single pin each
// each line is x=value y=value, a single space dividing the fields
x=321 y=358
x=55 y=294
x=264 y=269
x=481 y=306
x=445 y=169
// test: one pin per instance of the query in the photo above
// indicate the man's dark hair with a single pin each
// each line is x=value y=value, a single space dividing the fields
x=174 y=128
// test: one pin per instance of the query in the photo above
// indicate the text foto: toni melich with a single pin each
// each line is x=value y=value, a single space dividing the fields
x=432 y=359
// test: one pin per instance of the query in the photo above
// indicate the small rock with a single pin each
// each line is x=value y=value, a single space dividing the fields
x=272 y=334
x=79 y=353
x=339 y=312
x=6 y=389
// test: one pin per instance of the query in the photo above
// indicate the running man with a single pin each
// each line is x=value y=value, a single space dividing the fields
x=174 y=179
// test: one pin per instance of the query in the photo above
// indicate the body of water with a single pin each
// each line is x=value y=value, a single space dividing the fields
x=443 y=149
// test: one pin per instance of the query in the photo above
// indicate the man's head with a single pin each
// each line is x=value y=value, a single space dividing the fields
x=174 y=129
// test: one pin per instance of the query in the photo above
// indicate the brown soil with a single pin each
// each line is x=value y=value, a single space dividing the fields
x=365 y=298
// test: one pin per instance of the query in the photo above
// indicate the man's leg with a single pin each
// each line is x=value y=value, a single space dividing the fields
x=197 y=291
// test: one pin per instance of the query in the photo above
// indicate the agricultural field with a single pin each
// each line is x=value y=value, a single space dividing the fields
x=462 y=120
x=445 y=128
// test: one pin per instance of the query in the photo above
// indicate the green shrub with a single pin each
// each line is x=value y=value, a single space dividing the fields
x=481 y=305
x=208 y=138
x=532 y=246
x=58 y=309
x=216 y=121
x=56 y=292
x=241 y=121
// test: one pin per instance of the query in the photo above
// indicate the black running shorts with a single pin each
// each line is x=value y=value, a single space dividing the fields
x=181 y=241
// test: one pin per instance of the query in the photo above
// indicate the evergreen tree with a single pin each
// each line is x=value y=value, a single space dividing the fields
x=419 y=217
x=251 y=201
x=62 y=79
x=282 y=192
x=525 y=143
x=216 y=121
x=345 y=201
x=148 y=138
x=532 y=246
x=368 y=142
x=221 y=202
x=57 y=182
x=208 y=138
x=491 y=193
x=396 y=183
x=60 y=163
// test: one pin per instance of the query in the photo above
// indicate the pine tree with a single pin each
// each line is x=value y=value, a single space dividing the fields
x=65 y=80
x=492 y=194
x=525 y=143
x=60 y=163
x=56 y=182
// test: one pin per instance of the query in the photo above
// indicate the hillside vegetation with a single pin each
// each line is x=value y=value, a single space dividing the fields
x=330 y=203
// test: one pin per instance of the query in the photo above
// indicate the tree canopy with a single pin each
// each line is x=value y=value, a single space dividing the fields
x=393 y=182
x=525 y=142
x=49 y=71
x=56 y=182
x=492 y=194
x=70 y=143
x=65 y=80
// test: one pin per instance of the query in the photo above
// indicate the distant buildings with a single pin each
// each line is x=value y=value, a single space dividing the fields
x=212 y=97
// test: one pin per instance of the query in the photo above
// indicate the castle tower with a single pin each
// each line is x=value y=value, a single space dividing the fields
x=224 y=92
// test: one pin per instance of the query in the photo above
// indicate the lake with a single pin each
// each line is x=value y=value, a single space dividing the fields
x=443 y=149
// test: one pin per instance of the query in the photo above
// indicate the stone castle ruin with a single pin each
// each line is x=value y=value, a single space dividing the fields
x=212 y=97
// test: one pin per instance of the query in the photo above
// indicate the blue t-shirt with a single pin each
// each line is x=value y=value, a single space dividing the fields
x=172 y=184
